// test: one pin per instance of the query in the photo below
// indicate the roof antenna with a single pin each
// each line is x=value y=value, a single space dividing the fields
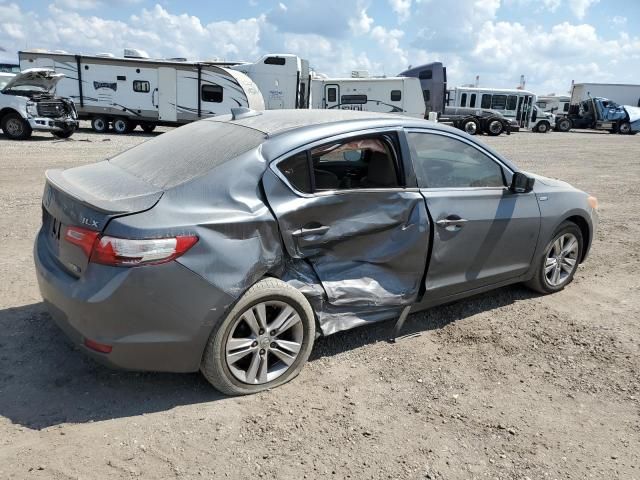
x=238 y=113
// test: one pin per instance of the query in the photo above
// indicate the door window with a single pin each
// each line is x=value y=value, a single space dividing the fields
x=367 y=162
x=445 y=162
x=332 y=94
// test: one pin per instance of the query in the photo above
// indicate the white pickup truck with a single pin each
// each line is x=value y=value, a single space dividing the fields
x=27 y=103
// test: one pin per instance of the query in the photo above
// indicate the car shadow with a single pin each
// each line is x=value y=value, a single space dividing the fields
x=45 y=381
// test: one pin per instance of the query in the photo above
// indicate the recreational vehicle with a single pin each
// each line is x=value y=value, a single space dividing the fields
x=126 y=92
x=515 y=104
x=556 y=104
x=284 y=80
x=622 y=94
x=400 y=95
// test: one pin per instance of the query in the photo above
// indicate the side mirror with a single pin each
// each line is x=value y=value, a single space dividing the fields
x=520 y=183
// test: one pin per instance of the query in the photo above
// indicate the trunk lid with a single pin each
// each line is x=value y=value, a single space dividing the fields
x=88 y=197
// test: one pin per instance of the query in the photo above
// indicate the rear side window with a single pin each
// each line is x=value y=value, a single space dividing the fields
x=426 y=75
x=486 y=101
x=472 y=102
x=445 y=162
x=211 y=93
x=187 y=152
x=360 y=163
x=499 y=102
x=396 y=95
x=353 y=99
x=463 y=100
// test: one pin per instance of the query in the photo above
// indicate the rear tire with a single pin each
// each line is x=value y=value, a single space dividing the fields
x=122 y=126
x=556 y=260
x=15 y=127
x=494 y=127
x=100 y=124
x=147 y=127
x=241 y=345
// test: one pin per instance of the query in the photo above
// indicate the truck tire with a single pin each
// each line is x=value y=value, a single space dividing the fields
x=471 y=126
x=564 y=124
x=15 y=127
x=122 y=125
x=624 y=128
x=543 y=127
x=243 y=343
x=494 y=127
x=66 y=133
x=100 y=124
x=147 y=127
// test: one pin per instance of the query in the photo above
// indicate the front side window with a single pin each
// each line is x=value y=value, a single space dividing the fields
x=211 y=93
x=463 y=100
x=566 y=107
x=445 y=162
x=426 y=94
x=141 y=86
x=367 y=162
x=396 y=95
x=486 y=101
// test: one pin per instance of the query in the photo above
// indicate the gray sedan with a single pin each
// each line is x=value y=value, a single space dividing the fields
x=228 y=245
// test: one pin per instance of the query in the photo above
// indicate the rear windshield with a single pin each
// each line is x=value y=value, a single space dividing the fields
x=187 y=152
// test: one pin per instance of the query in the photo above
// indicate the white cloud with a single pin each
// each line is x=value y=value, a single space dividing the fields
x=551 y=5
x=402 y=8
x=619 y=20
x=580 y=7
x=79 y=4
x=361 y=24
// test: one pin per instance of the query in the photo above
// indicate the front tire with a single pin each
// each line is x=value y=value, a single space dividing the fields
x=560 y=260
x=563 y=125
x=624 y=128
x=471 y=126
x=543 y=127
x=263 y=342
x=15 y=127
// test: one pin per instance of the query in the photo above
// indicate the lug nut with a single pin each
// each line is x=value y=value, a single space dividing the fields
x=262 y=351
x=254 y=344
x=273 y=345
x=274 y=333
x=261 y=332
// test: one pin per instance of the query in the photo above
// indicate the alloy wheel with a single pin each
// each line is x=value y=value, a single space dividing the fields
x=264 y=342
x=561 y=259
x=14 y=127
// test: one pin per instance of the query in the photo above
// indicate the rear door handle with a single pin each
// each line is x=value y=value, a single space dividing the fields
x=307 y=232
x=451 y=221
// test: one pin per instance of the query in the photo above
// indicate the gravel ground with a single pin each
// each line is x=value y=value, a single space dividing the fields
x=507 y=385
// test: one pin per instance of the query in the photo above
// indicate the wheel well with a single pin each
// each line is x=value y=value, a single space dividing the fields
x=7 y=110
x=584 y=229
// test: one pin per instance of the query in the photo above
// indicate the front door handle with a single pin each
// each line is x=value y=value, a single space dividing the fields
x=307 y=232
x=451 y=221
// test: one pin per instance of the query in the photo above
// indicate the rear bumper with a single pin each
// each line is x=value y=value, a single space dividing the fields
x=155 y=318
x=52 y=125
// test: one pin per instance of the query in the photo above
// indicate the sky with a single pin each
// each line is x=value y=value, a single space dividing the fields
x=550 y=42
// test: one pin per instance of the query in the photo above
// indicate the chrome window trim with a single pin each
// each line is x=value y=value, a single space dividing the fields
x=396 y=129
x=471 y=144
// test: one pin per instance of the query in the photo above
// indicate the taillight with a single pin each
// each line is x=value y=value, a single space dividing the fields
x=125 y=252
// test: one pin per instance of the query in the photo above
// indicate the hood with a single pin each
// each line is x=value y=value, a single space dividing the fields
x=549 y=182
x=633 y=112
x=43 y=79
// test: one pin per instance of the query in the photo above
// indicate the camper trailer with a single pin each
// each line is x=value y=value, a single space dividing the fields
x=126 y=92
x=399 y=95
x=284 y=80
x=433 y=83
x=556 y=104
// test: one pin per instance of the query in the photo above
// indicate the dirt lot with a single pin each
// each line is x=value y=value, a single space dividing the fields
x=508 y=385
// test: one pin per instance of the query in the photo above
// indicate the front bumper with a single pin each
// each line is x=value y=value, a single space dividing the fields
x=155 y=317
x=53 y=124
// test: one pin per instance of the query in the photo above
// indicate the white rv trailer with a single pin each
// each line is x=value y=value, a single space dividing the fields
x=515 y=104
x=401 y=95
x=555 y=104
x=126 y=92
x=622 y=94
x=284 y=80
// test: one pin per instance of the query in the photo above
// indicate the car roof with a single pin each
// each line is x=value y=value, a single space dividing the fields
x=273 y=122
